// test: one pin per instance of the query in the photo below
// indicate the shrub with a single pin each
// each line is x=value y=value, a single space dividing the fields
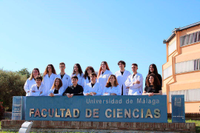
x=11 y=84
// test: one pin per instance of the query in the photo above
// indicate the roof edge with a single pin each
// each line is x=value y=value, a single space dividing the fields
x=180 y=29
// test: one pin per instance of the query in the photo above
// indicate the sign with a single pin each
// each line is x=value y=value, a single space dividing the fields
x=98 y=108
x=18 y=110
x=178 y=109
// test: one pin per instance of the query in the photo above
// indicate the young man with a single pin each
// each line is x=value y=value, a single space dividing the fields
x=74 y=89
x=38 y=89
x=66 y=80
x=93 y=88
x=134 y=82
x=121 y=76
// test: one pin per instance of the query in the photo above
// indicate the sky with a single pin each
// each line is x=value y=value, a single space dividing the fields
x=35 y=33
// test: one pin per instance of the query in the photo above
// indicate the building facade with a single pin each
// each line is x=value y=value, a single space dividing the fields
x=181 y=72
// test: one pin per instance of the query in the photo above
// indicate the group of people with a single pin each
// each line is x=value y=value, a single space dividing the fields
x=91 y=84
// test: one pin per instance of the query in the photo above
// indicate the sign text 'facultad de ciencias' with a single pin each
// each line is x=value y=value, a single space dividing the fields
x=98 y=108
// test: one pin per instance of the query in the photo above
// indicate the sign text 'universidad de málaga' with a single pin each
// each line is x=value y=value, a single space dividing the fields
x=97 y=108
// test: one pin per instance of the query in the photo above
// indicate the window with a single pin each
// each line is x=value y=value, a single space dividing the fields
x=172 y=47
x=188 y=66
x=189 y=95
x=190 y=39
x=185 y=66
x=167 y=72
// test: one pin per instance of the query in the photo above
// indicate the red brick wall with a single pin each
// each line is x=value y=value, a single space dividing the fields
x=16 y=124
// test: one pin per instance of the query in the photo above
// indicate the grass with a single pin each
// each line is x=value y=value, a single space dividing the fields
x=197 y=122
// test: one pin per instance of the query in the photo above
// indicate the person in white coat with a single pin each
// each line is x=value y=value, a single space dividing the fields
x=49 y=77
x=112 y=86
x=121 y=76
x=77 y=71
x=103 y=74
x=89 y=70
x=134 y=82
x=31 y=81
x=66 y=80
x=57 y=88
x=93 y=88
x=38 y=89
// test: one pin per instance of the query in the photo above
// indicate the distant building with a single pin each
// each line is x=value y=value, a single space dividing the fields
x=181 y=72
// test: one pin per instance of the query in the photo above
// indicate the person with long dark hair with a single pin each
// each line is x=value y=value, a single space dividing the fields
x=57 y=88
x=153 y=69
x=77 y=71
x=89 y=70
x=112 y=87
x=31 y=81
x=49 y=76
x=103 y=74
x=152 y=86
x=122 y=75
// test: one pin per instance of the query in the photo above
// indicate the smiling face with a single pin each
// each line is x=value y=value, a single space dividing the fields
x=38 y=82
x=89 y=71
x=134 y=68
x=103 y=66
x=62 y=68
x=151 y=68
x=49 y=68
x=75 y=68
x=74 y=81
x=121 y=66
x=112 y=79
x=93 y=78
x=35 y=73
x=57 y=82
x=151 y=79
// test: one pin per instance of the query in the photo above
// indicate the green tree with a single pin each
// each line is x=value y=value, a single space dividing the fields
x=11 y=84
x=24 y=71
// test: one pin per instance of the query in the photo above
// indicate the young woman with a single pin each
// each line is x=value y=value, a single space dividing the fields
x=49 y=77
x=88 y=71
x=112 y=86
x=153 y=69
x=152 y=86
x=103 y=74
x=77 y=71
x=31 y=81
x=57 y=88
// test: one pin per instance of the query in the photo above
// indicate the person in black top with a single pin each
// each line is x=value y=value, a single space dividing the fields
x=153 y=69
x=152 y=86
x=74 y=89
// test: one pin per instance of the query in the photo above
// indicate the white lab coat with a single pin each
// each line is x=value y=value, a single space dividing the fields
x=28 y=84
x=48 y=82
x=85 y=81
x=60 y=91
x=109 y=90
x=37 y=91
x=80 y=79
x=96 y=88
x=103 y=78
x=66 y=80
x=136 y=89
x=122 y=79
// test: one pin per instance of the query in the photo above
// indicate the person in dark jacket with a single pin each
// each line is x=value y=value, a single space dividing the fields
x=74 y=89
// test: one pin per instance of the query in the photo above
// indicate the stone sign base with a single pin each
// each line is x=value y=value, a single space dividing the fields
x=14 y=125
